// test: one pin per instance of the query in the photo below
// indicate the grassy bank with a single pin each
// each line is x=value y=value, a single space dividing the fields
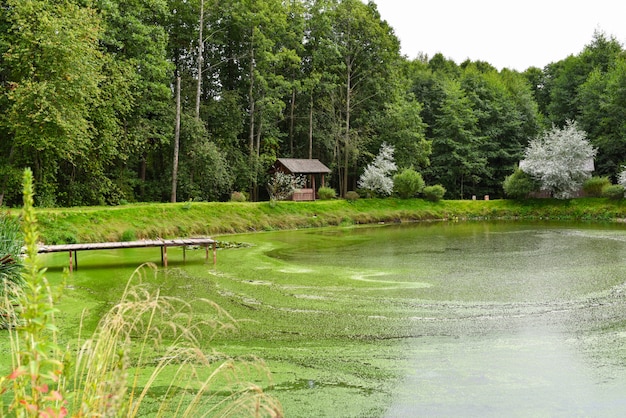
x=165 y=220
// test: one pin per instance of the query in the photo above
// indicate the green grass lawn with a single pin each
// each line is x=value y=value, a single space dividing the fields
x=166 y=220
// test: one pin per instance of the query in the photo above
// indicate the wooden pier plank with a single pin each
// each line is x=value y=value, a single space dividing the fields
x=162 y=243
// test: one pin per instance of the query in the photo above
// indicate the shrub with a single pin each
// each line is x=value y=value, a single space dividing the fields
x=615 y=192
x=326 y=193
x=434 y=193
x=60 y=237
x=237 y=197
x=128 y=235
x=11 y=243
x=408 y=183
x=595 y=186
x=351 y=196
x=519 y=184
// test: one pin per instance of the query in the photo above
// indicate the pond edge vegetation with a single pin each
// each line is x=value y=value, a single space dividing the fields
x=192 y=219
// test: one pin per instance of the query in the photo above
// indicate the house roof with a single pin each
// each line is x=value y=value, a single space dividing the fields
x=303 y=166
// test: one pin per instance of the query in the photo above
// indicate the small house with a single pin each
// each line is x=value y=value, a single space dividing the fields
x=310 y=168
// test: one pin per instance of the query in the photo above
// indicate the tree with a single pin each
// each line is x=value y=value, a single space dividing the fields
x=603 y=116
x=560 y=159
x=457 y=158
x=176 y=142
x=377 y=176
x=135 y=40
x=564 y=78
x=361 y=58
x=52 y=68
x=505 y=117
x=401 y=126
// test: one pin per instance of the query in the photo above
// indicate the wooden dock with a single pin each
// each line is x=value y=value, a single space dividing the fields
x=73 y=249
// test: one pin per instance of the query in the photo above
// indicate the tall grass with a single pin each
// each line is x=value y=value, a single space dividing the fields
x=148 y=345
x=11 y=243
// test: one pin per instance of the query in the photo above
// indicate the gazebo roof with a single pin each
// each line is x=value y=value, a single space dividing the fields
x=303 y=166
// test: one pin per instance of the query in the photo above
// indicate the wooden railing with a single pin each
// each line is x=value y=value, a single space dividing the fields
x=303 y=194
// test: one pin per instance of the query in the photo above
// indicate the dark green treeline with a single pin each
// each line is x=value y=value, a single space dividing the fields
x=88 y=100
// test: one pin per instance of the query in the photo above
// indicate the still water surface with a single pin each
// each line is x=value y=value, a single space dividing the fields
x=483 y=318
x=511 y=319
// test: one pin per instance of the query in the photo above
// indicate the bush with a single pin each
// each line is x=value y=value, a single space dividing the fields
x=408 y=183
x=615 y=192
x=60 y=237
x=326 y=193
x=351 y=196
x=128 y=235
x=595 y=186
x=434 y=193
x=237 y=197
x=519 y=184
x=11 y=242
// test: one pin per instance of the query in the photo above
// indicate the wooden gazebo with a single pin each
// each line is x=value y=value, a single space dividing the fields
x=303 y=167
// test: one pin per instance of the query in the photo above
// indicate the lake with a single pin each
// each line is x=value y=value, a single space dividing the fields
x=426 y=319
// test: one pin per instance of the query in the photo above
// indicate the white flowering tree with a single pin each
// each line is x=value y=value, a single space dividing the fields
x=282 y=185
x=560 y=159
x=378 y=175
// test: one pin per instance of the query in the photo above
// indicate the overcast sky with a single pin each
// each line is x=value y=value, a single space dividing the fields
x=511 y=34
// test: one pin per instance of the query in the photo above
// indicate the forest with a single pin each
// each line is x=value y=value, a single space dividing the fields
x=116 y=101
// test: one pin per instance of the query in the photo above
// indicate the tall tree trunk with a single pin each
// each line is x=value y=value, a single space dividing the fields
x=311 y=127
x=176 y=141
x=142 y=174
x=257 y=153
x=251 y=121
x=200 y=60
x=344 y=190
x=291 y=120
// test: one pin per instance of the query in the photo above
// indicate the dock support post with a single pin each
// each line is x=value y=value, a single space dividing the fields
x=164 y=256
x=71 y=264
x=214 y=253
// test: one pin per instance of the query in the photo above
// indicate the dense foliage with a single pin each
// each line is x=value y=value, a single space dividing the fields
x=520 y=185
x=408 y=183
x=88 y=100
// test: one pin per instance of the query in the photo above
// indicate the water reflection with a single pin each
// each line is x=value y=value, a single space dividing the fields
x=529 y=374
